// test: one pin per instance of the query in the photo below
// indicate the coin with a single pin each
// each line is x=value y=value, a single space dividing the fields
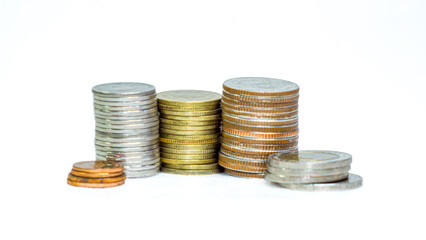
x=232 y=101
x=241 y=168
x=304 y=179
x=126 y=149
x=257 y=140
x=261 y=134
x=136 y=113
x=191 y=172
x=192 y=167
x=190 y=146
x=151 y=125
x=124 y=103
x=243 y=174
x=126 y=118
x=119 y=178
x=257 y=151
x=177 y=141
x=142 y=168
x=98 y=166
x=189 y=123
x=122 y=98
x=126 y=108
x=134 y=131
x=124 y=88
x=188 y=156
x=188 y=98
x=308 y=172
x=116 y=156
x=191 y=137
x=190 y=128
x=94 y=185
x=125 y=142
x=95 y=175
x=261 y=164
x=244 y=155
x=353 y=181
x=259 y=86
x=140 y=121
x=263 y=110
x=191 y=113
x=190 y=162
x=250 y=128
x=259 y=121
x=189 y=132
x=189 y=108
x=186 y=118
x=261 y=115
x=260 y=99
x=252 y=146
x=139 y=174
x=189 y=151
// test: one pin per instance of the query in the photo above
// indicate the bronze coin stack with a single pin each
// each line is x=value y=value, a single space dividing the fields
x=189 y=132
x=259 y=118
x=97 y=174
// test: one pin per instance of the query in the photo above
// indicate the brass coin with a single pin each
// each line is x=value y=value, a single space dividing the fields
x=186 y=118
x=189 y=108
x=241 y=168
x=190 y=128
x=188 y=123
x=189 y=157
x=190 y=146
x=192 y=167
x=190 y=172
x=256 y=151
x=260 y=110
x=190 y=113
x=188 y=98
x=259 y=140
x=260 y=134
x=187 y=132
x=189 y=151
x=238 y=161
x=260 y=121
x=190 y=162
x=259 y=86
x=260 y=115
x=190 y=137
x=94 y=185
x=98 y=166
x=257 y=104
x=74 y=178
x=250 y=128
x=244 y=174
x=266 y=147
x=96 y=175
x=178 y=141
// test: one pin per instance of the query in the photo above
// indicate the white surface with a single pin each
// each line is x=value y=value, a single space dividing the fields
x=360 y=66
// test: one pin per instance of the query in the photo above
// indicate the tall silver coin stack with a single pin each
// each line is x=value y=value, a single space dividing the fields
x=127 y=126
x=259 y=118
x=312 y=170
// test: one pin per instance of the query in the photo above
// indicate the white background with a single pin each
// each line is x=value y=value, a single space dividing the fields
x=360 y=66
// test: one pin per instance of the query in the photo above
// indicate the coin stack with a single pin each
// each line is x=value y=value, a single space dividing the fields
x=189 y=132
x=259 y=118
x=97 y=174
x=312 y=170
x=127 y=126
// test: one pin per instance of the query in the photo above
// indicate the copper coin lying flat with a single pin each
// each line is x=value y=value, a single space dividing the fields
x=74 y=178
x=96 y=175
x=94 y=185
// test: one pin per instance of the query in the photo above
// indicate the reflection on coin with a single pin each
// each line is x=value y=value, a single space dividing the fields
x=124 y=88
x=98 y=166
x=353 y=181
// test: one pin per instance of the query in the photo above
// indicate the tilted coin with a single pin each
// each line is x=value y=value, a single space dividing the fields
x=186 y=118
x=189 y=157
x=304 y=179
x=186 y=161
x=98 y=166
x=188 y=98
x=119 y=178
x=144 y=173
x=244 y=174
x=192 y=167
x=186 y=122
x=189 y=151
x=188 y=132
x=124 y=88
x=190 y=128
x=195 y=147
x=189 y=108
x=96 y=174
x=312 y=159
x=259 y=86
x=190 y=172
x=94 y=185
x=260 y=121
x=251 y=128
x=353 y=181
x=179 y=141
x=190 y=137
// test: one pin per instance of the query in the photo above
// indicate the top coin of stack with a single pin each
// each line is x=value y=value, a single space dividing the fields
x=127 y=126
x=189 y=131
x=312 y=170
x=259 y=118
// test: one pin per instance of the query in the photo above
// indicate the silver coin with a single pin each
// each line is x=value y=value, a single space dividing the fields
x=147 y=135
x=119 y=150
x=260 y=115
x=313 y=159
x=137 y=164
x=124 y=88
x=125 y=118
x=149 y=125
x=256 y=120
x=145 y=131
x=303 y=179
x=142 y=168
x=127 y=159
x=123 y=98
x=125 y=144
x=255 y=158
x=115 y=155
x=263 y=128
x=126 y=108
x=128 y=122
x=124 y=104
x=256 y=151
x=139 y=174
x=260 y=85
x=135 y=113
x=353 y=181
x=308 y=172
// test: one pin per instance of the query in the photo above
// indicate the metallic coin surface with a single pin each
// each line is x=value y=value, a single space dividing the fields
x=98 y=166
x=251 y=128
x=353 y=181
x=119 y=150
x=142 y=168
x=190 y=162
x=186 y=118
x=308 y=172
x=191 y=137
x=255 y=151
x=190 y=128
x=244 y=174
x=263 y=110
x=259 y=121
x=241 y=145
x=189 y=132
x=131 y=98
x=259 y=86
x=124 y=88
x=245 y=156
x=187 y=156
x=152 y=125
x=189 y=151
x=119 y=178
x=189 y=108
x=191 y=172
x=186 y=122
x=192 y=167
x=124 y=144
x=233 y=101
x=255 y=163
x=191 y=113
x=140 y=121
x=188 y=97
x=304 y=178
x=261 y=99
x=314 y=159
x=127 y=118
x=257 y=140
x=94 y=185
x=96 y=175
x=190 y=146
x=140 y=174
x=241 y=168
x=124 y=103
x=260 y=115
x=136 y=113
x=135 y=165
x=178 y=141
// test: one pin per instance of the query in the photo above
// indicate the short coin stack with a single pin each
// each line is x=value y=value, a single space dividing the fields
x=127 y=126
x=259 y=118
x=97 y=174
x=312 y=170
x=189 y=131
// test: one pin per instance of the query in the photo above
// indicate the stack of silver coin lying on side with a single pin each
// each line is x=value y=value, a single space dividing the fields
x=312 y=170
x=127 y=126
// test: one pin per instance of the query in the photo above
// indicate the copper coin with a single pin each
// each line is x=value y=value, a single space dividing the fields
x=241 y=168
x=95 y=175
x=98 y=166
x=256 y=151
x=247 y=98
x=244 y=155
x=263 y=110
x=257 y=104
x=259 y=140
x=243 y=162
x=244 y=174
x=119 y=178
x=94 y=185
x=250 y=128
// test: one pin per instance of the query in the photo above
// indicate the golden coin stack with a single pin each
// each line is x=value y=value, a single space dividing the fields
x=189 y=132
x=97 y=174
x=259 y=118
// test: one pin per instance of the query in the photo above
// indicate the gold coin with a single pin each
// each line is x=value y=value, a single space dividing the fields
x=244 y=156
x=189 y=151
x=119 y=178
x=190 y=137
x=190 y=162
x=191 y=113
x=178 y=141
x=190 y=146
x=95 y=175
x=261 y=135
x=250 y=128
x=190 y=128
x=189 y=123
x=186 y=118
x=191 y=172
x=189 y=108
x=98 y=166
x=244 y=174
x=189 y=157
x=260 y=110
x=187 y=132
x=188 y=98
x=94 y=185
x=192 y=167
